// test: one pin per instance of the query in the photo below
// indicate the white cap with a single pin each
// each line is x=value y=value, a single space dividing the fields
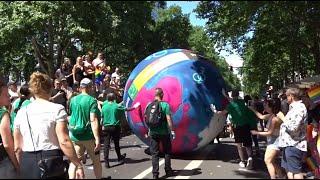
x=113 y=75
x=85 y=82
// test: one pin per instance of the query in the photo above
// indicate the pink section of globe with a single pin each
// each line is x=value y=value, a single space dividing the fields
x=173 y=95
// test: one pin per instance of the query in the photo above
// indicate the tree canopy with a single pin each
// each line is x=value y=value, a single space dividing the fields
x=45 y=32
x=278 y=40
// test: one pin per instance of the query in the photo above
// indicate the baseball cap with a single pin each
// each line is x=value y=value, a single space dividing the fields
x=85 y=82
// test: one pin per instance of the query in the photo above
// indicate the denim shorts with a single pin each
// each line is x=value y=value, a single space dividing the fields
x=292 y=159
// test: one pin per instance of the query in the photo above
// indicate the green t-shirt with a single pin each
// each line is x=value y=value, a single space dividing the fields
x=80 y=108
x=2 y=111
x=252 y=118
x=15 y=106
x=111 y=113
x=239 y=112
x=163 y=129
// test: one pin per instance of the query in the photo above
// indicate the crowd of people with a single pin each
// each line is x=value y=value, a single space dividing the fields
x=68 y=77
x=46 y=119
x=82 y=104
x=283 y=120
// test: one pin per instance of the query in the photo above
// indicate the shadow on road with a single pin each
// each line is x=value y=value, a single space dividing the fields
x=223 y=152
x=129 y=160
x=134 y=161
x=184 y=172
x=252 y=173
x=131 y=146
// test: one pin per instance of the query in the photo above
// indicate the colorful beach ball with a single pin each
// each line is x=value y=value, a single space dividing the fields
x=190 y=84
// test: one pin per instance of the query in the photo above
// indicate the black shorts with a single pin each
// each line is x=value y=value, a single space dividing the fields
x=292 y=159
x=242 y=135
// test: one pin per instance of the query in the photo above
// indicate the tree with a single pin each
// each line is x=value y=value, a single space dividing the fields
x=45 y=32
x=44 y=29
x=200 y=42
x=171 y=30
x=284 y=41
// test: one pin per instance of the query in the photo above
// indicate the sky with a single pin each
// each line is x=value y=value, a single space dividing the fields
x=187 y=7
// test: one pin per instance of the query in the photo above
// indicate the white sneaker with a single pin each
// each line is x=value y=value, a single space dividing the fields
x=242 y=164
x=249 y=163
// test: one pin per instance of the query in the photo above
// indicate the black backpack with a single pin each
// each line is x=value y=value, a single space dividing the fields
x=153 y=114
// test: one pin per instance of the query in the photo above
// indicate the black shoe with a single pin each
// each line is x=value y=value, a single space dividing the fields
x=169 y=173
x=121 y=159
x=108 y=177
x=106 y=165
x=84 y=159
x=155 y=176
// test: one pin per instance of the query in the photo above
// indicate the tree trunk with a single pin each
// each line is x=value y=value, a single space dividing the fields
x=51 y=50
x=39 y=55
x=316 y=54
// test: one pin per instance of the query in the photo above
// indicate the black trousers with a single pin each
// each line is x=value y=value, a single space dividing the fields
x=114 y=132
x=155 y=141
x=255 y=138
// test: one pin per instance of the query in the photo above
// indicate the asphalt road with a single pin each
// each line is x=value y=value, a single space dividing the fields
x=213 y=161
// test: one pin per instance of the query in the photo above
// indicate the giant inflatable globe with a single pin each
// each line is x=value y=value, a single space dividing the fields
x=190 y=84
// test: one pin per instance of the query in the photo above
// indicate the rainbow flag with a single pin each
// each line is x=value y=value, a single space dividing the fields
x=311 y=163
x=314 y=94
x=99 y=76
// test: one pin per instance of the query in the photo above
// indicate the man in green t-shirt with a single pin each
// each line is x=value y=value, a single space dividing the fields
x=242 y=123
x=161 y=134
x=111 y=113
x=84 y=110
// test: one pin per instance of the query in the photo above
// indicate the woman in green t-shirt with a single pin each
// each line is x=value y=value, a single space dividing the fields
x=24 y=100
x=8 y=162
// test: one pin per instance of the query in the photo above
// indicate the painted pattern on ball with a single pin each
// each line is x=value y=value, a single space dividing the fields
x=190 y=84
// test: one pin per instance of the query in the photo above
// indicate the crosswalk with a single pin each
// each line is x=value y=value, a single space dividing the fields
x=215 y=161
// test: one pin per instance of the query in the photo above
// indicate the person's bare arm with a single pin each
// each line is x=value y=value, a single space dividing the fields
x=7 y=139
x=74 y=73
x=55 y=96
x=213 y=109
x=169 y=120
x=224 y=112
x=281 y=116
x=18 y=143
x=259 y=115
x=100 y=105
x=95 y=130
x=135 y=106
x=67 y=146
x=270 y=130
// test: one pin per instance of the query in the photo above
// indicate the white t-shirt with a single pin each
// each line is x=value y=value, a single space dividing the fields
x=96 y=62
x=115 y=74
x=59 y=74
x=42 y=116
x=12 y=94
x=86 y=64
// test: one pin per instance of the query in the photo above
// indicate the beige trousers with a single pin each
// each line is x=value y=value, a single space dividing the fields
x=80 y=147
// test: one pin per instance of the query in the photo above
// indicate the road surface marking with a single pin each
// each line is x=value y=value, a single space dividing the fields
x=192 y=165
x=147 y=171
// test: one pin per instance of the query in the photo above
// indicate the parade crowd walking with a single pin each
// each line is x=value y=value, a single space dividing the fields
x=83 y=106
